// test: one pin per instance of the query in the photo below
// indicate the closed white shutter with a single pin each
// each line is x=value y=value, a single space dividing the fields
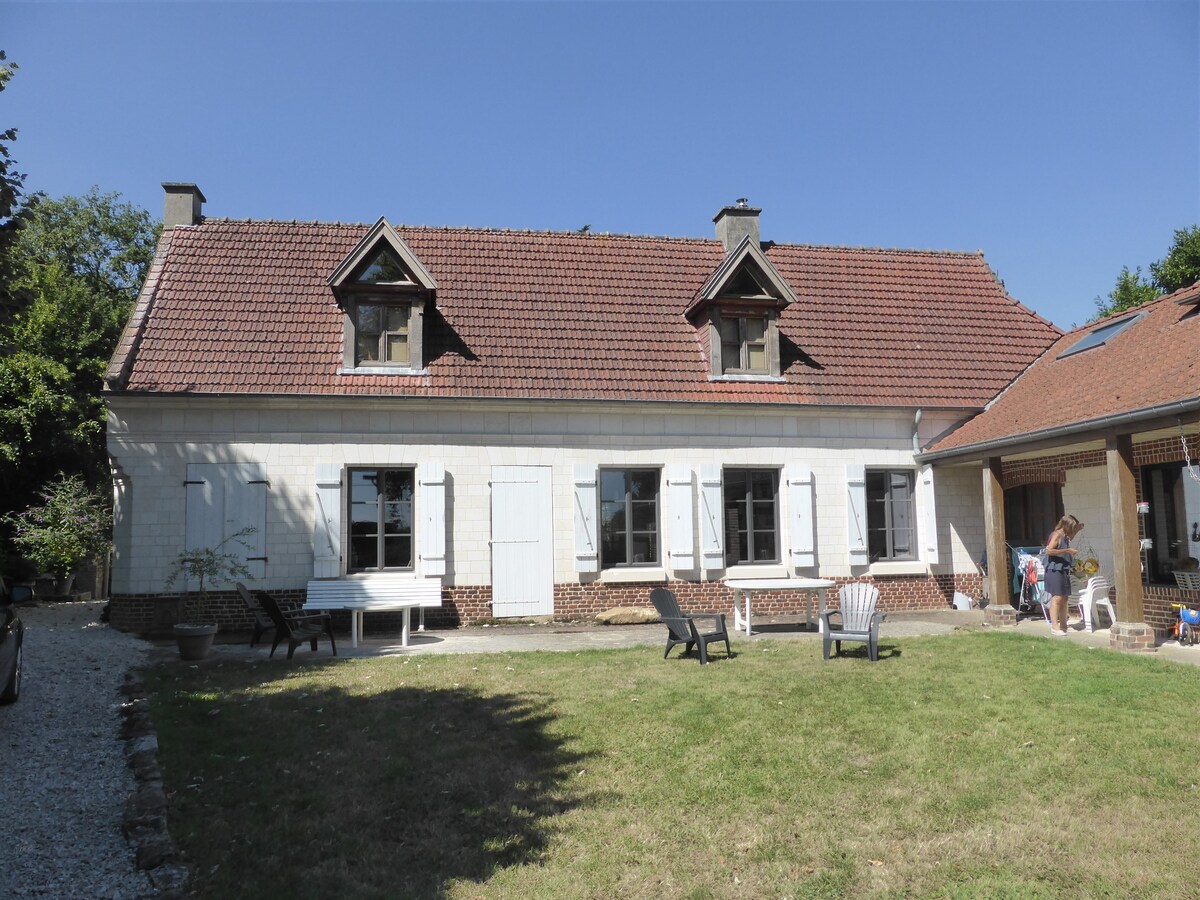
x=246 y=507
x=929 y=537
x=856 y=514
x=327 y=523
x=432 y=505
x=802 y=533
x=204 y=510
x=682 y=537
x=587 y=556
x=712 y=525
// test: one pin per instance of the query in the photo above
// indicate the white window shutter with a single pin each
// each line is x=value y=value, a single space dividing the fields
x=327 y=524
x=712 y=519
x=432 y=504
x=856 y=514
x=204 y=509
x=929 y=538
x=587 y=556
x=246 y=507
x=682 y=536
x=802 y=533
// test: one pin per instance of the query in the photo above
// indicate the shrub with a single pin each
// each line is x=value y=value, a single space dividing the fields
x=71 y=526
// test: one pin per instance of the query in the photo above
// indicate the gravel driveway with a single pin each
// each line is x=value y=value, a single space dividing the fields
x=63 y=776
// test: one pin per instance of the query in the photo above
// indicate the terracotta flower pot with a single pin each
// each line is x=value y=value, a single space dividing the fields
x=194 y=640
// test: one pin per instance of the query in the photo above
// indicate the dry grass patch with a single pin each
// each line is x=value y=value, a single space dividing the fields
x=973 y=765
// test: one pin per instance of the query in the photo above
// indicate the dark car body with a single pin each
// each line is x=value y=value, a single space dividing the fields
x=12 y=633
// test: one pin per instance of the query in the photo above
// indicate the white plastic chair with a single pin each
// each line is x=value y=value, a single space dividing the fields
x=1093 y=596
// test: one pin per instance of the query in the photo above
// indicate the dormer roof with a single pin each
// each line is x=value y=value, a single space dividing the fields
x=745 y=274
x=381 y=259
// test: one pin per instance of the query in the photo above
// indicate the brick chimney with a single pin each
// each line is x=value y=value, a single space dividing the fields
x=736 y=222
x=183 y=204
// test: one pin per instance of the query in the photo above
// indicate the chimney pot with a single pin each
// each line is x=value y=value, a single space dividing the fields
x=737 y=222
x=184 y=201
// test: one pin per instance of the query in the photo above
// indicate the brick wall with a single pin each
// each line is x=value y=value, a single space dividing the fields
x=153 y=614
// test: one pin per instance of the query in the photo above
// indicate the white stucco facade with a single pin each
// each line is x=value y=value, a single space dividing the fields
x=153 y=439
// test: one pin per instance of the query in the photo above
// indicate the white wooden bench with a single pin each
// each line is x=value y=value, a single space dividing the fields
x=375 y=593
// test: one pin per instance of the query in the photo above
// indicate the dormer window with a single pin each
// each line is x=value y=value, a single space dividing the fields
x=383 y=290
x=382 y=333
x=737 y=312
x=744 y=345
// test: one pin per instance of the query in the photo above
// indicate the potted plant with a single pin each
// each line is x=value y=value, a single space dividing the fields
x=205 y=565
x=70 y=527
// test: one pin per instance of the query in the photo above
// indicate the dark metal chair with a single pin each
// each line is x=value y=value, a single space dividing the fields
x=262 y=622
x=857 y=619
x=297 y=629
x=681 y=626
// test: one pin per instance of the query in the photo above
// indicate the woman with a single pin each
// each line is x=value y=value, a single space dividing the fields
x=1061 y=557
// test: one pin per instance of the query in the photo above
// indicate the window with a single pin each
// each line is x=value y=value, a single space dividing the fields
x=890 y=515
x=751 y=521
x=381 y=333
x=381 y=519
x=1100 y=335
x=743 y=344
x=1030 y=513
x=1173 y=522
x=628 y=517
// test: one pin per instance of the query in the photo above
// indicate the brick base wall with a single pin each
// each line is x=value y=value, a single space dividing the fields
x=153 y=614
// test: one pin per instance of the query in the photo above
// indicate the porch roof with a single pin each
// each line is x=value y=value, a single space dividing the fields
x=1144 y=376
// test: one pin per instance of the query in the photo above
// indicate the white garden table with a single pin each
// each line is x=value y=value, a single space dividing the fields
x=744 y=588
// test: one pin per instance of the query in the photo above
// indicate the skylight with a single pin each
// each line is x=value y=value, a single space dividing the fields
x=1101 y=335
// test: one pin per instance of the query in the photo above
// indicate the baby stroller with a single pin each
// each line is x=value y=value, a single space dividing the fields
x=1032 y=598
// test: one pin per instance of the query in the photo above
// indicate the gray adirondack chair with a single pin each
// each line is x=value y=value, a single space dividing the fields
x=681 y=626
x=857 y=619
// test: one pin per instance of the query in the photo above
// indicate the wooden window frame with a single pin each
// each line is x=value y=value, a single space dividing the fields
x=628 y=531
x=746 y=504
x=889 y=526
x=415 y=333
x=380 y=532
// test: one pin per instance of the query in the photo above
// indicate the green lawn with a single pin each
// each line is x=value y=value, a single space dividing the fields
x=980 y=764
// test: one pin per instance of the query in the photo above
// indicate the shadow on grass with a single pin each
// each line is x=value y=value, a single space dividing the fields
x=294 y=787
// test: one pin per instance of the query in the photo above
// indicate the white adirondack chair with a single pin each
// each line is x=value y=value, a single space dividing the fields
x=857 y=619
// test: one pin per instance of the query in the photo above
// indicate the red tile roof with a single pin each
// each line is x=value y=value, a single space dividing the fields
x=243 y=307
x=1148 y=369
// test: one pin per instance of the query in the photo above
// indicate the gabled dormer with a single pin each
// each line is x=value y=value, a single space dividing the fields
x=384 y=291
x=737 y=308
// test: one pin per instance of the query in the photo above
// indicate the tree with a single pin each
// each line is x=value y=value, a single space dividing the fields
x=1181 y=266
x=1178 y=269
x=14 y=206
x=1130 y=291
x=78 y=263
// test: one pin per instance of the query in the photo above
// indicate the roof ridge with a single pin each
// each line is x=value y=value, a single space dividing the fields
x=487 y=229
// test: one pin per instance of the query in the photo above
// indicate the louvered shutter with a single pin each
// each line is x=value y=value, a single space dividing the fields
x=712 y=526
x=682 y=536
x=856 y=514
x=929 y=535
x=801 y=531
x=327 y=523
x=587 y=556
x=432 y=505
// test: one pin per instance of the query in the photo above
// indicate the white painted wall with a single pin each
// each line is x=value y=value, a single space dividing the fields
x=1085 y=496
x=153 y=439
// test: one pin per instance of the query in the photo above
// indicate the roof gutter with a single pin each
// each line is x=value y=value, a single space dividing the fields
x=1075 y=429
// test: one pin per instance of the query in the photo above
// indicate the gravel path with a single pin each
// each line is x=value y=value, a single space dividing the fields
x=63 y=776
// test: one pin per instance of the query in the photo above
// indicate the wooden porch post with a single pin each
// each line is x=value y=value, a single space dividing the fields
x=1130 y=631
x=999 y=610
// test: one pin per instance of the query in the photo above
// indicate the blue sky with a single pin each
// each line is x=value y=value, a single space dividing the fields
x=1062 y=139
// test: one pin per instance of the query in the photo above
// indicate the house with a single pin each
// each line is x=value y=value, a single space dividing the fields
x=1106 y=426
x=551 y=423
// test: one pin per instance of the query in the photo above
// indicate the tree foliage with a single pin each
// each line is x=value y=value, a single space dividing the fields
x=1178 y=269
x=77 y=264
x=69 y=527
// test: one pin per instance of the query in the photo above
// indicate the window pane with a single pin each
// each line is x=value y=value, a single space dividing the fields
x=645 y=549
x=363 y=552
x=764 y=516
x=384 y=269
x=763 y=484
x=764 y=546
x=397 y=348
x=397 y=318
x=756 y=329
x=757 y=358
x=612 y=485
x=370 y=318
x=397 y=552
x=729 y=331
x=644 y=516
x=398 y=485
x=397 y=518
x=612 y=548
x=368 y=347
x=643 y=485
